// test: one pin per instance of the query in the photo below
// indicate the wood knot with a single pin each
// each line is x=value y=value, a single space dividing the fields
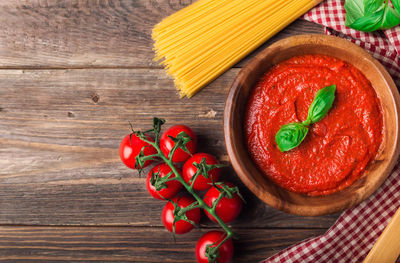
x=178 y=4
x=71 y=114
x=210 y=114
x=95 y=97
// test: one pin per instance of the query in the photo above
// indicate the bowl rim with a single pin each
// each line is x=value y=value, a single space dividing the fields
x=249 y=181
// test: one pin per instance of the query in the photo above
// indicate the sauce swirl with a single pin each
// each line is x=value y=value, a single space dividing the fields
x=338 y=148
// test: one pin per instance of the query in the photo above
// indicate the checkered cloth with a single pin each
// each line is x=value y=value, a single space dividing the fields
x=354 y=233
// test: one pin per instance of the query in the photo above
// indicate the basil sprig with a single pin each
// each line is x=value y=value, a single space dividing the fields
x=292 y=134
x=371 y=15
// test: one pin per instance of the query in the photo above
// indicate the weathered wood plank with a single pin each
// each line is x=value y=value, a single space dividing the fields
x=128 y=244
x=76 y=34
x=59 y=134
x=60 y=129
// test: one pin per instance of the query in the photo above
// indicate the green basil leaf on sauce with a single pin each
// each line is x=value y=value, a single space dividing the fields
x=322 y=103
x=290 y=136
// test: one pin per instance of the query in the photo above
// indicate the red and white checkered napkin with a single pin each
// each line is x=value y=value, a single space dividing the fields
x=354 y=233
x=383 y=45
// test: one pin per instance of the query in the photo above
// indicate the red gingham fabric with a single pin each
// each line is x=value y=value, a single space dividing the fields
x=356 y=230
x=353 y=234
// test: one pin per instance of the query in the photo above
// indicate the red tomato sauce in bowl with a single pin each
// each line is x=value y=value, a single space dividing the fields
x=338 y=148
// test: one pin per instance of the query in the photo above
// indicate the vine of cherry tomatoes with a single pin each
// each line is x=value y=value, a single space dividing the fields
x=200 y=172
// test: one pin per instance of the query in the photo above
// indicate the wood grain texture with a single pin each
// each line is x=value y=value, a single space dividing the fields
x=81 y=34
x=131 y=244
x=59 y=134
x=72 y=75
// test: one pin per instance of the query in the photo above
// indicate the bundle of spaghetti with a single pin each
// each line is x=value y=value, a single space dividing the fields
x=204 y=39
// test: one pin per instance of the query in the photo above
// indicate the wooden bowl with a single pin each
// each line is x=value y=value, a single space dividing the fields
x=274 y=195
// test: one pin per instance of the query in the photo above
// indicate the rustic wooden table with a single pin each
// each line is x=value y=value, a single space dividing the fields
x=73 y=74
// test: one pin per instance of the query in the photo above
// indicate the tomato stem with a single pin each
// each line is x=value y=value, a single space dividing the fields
x=202 y=204
x=215 y=203
x=150 y=157
x=188 y=208
x=189 y=188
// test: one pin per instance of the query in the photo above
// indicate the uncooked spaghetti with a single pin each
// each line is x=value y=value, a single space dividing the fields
x=204 y=39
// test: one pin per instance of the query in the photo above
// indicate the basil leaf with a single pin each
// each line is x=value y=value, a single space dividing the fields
x=368 y=23
x=321 y=104
x=290 y=136
x=371 y=15
x=354 y=9
x=396 y=4
x=390 y=19
x=373 y=6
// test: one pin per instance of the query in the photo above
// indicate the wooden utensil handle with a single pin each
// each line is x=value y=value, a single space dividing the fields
x=387 y=247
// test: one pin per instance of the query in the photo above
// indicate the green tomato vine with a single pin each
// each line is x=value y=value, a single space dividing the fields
x=212 y=251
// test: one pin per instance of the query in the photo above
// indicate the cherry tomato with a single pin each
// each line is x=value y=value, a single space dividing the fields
x=129 y=149
x=209 y=238
x=173 y=187
x=201 y=182
x=227 y=208
x=181 y=226
x=166 y=143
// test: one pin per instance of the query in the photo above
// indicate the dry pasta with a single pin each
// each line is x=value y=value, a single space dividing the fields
x=204 y=39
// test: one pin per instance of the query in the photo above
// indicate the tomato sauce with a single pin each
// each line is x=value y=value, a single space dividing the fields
x=338 y=148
